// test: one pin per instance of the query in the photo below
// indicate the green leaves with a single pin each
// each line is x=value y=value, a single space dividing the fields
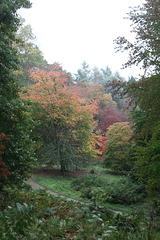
x=117 y=146
x=16 y=220
x=14 y=122
x=29 y=54
x=65 y=120
x=147 y=159
x=144 y=95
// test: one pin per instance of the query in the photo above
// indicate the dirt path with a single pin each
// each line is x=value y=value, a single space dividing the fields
x=36 y=185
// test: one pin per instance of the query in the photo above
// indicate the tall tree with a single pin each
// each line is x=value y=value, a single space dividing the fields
x=146 y=48
x=14 y=123
x=65 y=120
x=29 y=54
x=83 y=74
x=96 y=76
x=117 y=146
x=145 y=93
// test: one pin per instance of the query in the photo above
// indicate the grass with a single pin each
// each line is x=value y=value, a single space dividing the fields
x=59 y=184
x=39 y=215
x=62 y=185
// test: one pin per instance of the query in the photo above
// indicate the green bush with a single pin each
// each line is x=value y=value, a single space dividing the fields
x=123 y=191
x=87 y=181
x=46 y=217
x=129 y=223
x=87 y=184
x=16 y=221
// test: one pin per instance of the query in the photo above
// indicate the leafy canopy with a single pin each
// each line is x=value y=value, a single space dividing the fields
x=14 y=123
x=65 y=119
x=117 y=146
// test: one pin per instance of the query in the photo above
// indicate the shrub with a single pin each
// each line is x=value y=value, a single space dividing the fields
x=86 y=182
x=4 y=173
x=123 y=191
x=44 y=216
x=16 y=221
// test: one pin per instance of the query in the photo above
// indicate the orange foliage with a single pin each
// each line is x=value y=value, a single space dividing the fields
x=55 y=99
x=58 y=102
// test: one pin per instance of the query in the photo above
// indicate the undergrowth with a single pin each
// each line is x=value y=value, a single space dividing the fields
x=30 y=215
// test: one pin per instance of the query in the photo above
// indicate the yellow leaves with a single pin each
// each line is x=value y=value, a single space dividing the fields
x=106 y=100
x=118 y=135
x=119 y=129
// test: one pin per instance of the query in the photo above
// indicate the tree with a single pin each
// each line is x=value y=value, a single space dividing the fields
x=107 y=74
x=144 y=95
x=107 y=112
x=29 y=54
x=146 y=48
x=65 y=120
x=117 y=146
x=96 y=76
x=83 y=74
x=146 y=156
x=14 y=123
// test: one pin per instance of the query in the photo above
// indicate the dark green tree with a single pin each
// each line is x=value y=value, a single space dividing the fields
x=144 y=95
x=14 y=123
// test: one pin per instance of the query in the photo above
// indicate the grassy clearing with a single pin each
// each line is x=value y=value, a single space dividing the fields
x=62 y=185
x=59 y=184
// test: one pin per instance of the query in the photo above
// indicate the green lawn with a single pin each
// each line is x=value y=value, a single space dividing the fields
x=62 y=185
x=59 y=184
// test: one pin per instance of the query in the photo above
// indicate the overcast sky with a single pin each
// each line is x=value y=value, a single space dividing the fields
x=71 y=31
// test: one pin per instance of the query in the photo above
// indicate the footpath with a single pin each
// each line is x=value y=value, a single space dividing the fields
x=36 y=186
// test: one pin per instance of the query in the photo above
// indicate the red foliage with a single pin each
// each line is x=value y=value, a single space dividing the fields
x=108 y=117
x=3 y=169
x=100 y=145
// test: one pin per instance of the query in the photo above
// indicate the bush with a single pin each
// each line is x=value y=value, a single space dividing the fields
x=44 y=216
x=87 y=182
x=124 y=191
x=4 y=173
x=16 y=220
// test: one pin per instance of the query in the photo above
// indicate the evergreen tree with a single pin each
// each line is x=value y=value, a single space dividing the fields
x=83 y=74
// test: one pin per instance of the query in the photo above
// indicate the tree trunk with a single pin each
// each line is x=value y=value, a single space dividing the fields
x=62 y=168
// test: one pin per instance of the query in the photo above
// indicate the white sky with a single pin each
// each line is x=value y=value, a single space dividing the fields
x=71 y=31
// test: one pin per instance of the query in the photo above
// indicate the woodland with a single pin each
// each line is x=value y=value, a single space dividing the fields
x=93 y=136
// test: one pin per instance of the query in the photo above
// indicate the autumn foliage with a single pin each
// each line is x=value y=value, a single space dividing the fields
x=4 y=173
x=118 y=146
x=65 y=118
